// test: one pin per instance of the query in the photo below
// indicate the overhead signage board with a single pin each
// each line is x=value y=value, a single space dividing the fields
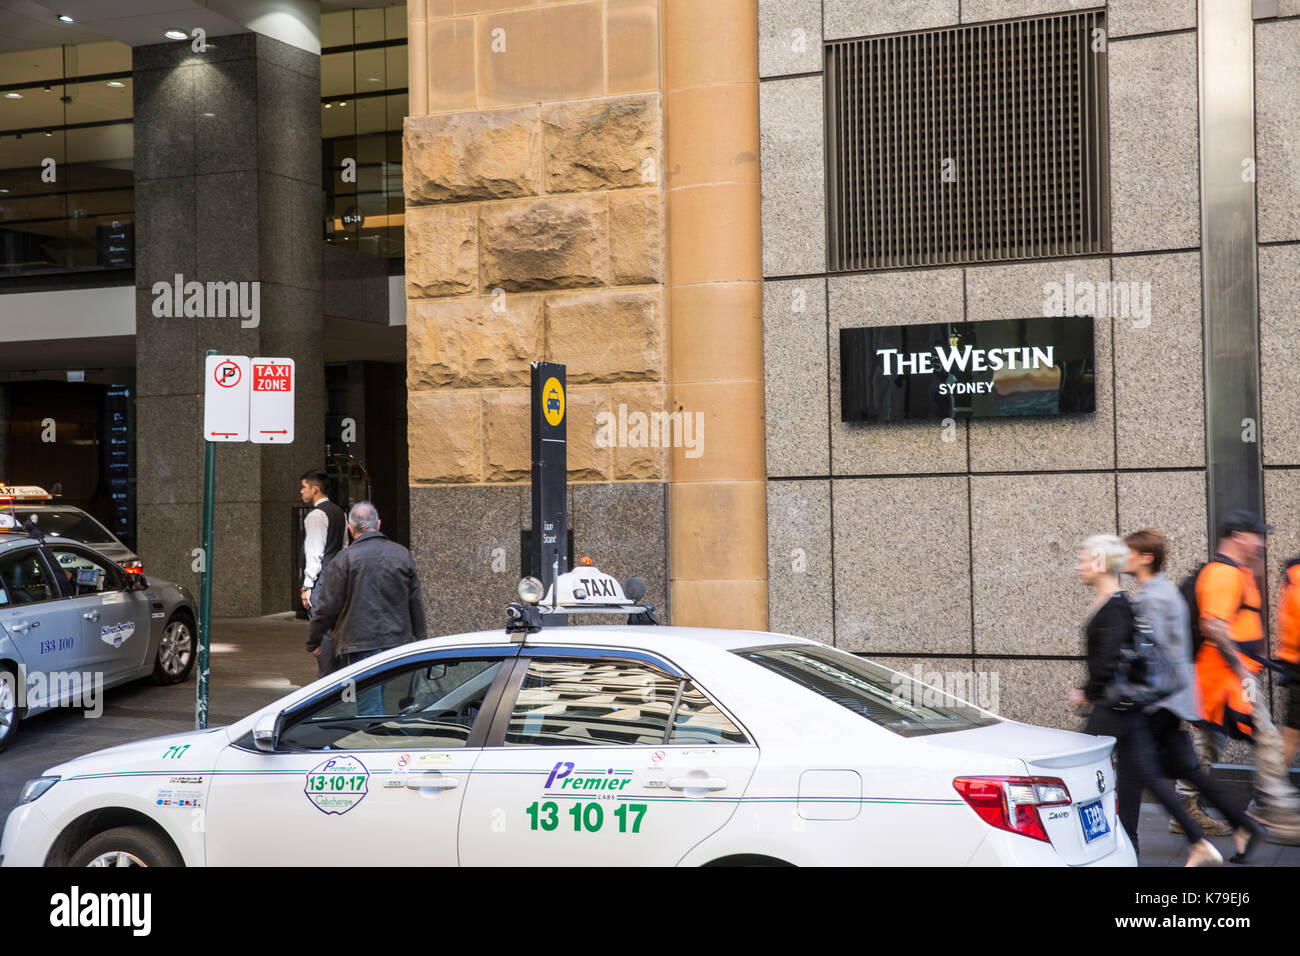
x=996 y=369
x=270 y=412
x=226 y=387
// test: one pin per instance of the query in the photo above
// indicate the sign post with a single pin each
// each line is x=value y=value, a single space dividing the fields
x=243 y=400
x=548 y=543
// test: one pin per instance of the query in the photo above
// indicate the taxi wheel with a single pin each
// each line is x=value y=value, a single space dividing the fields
x=10 y=715
x=176 y=651
x=126 y=846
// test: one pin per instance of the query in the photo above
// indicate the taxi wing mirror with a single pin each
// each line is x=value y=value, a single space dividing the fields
x=136 y=582
x=266 y=732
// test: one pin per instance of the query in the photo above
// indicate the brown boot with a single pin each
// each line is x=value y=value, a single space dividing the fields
x=1211 y=826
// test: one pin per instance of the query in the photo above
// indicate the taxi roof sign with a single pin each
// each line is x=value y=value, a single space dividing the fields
x=584 y=590
x=24 y=493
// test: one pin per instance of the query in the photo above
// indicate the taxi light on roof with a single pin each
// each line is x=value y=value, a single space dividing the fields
x=23 y=493
x=530 y=590
x=585 y=561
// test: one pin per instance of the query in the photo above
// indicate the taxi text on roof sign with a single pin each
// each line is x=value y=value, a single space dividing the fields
x=24 y=492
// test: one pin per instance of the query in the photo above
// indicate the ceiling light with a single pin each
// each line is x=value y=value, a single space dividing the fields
x=66 y=19
x=374 y=79
x=3 y=190
x=175 y=34
x=116 y=84
x=343 y=103
x=328 y=105
x=48 y=133
x=13 y=96
x=209 y=114
x=48 y=88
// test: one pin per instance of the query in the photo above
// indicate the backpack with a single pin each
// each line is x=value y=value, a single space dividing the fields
x=1188 y=589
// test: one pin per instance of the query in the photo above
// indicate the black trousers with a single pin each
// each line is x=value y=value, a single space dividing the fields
x=1138 y=768
x=1178 y=761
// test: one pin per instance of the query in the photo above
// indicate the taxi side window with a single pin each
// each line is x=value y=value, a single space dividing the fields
x=568 y=702
x=87 y=574
x=430 y=705
x=699 y=721
x=24 y=578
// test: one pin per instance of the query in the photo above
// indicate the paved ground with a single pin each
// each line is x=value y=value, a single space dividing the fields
x=258 y=660
x=254 y=661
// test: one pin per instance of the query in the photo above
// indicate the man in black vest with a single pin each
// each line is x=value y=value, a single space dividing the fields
x=325 y=538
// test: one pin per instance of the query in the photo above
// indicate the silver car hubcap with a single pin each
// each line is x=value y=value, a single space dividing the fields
x=116 y=858
x=8 y=703
x=176 y=647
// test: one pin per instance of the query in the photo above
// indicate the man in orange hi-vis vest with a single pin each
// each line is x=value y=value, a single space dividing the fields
x=1233 y=697
x=1288 y=652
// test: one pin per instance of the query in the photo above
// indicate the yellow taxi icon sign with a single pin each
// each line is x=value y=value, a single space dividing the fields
x=553 y=401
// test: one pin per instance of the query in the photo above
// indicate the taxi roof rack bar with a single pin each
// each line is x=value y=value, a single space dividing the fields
x=526 y=619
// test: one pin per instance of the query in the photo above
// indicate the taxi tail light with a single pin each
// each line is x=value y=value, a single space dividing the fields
x=1011 y=803
x=133 y=567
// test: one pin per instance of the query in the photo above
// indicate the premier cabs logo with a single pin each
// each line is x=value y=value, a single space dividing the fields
x=562 y=773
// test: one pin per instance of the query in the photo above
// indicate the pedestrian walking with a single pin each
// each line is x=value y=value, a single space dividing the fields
x=323 y=538
x=1228 y=664
x=1165 y=612
x=1110 y=632
x=370 y=598
x=1288 y=652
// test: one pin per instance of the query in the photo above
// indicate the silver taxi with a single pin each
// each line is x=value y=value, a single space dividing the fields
x=73 y=622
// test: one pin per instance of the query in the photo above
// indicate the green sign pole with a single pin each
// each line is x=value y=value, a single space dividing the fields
x=205 y=582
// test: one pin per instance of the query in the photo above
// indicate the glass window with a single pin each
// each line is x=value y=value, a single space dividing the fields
x=76 y=525
x=699 y=721
x=87 y=573
x=431 y=705
x=598 y=702
x=885 y=697
x=24 y=579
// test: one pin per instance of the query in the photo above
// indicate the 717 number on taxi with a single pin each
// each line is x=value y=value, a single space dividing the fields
x=586 y=816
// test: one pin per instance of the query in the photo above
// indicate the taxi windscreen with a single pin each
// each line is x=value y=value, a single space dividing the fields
x=76 y=525
x=885 y=697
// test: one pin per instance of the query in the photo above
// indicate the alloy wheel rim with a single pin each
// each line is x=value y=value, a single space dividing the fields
x=116 y=858
x=174 y=651
x=8 y=703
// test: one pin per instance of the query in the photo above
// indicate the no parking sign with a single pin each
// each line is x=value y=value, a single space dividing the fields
x=248 y=399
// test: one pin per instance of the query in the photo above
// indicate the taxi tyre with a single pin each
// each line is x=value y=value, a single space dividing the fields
x=149 y=848
x=7 y=734
x=160 y=675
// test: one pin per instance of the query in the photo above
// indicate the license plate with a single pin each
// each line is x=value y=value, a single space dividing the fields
x=1093 y=818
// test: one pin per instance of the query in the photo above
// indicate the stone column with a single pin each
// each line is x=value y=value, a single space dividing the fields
x=534 y=230
x=227 y=180
x=717 y=492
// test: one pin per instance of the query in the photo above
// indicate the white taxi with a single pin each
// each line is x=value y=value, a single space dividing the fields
x=589 y=746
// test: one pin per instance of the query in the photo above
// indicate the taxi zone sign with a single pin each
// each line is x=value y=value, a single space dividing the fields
x=248 y=399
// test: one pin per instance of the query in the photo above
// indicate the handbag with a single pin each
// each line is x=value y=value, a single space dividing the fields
x=1143 y=674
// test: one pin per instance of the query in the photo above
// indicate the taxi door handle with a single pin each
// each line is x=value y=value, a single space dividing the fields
x=697 y=783
x=91 y=615
x=23 y=626
x=430 y=781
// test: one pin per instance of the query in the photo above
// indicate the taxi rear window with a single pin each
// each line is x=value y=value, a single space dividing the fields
x=885 y=697
x=76 y=525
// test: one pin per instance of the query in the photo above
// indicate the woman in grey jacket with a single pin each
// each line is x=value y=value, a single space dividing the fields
x=1161 y=604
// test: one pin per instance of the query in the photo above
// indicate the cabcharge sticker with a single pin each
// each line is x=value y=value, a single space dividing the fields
x=337 y=785
x=115 y=635
x=167 y=797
